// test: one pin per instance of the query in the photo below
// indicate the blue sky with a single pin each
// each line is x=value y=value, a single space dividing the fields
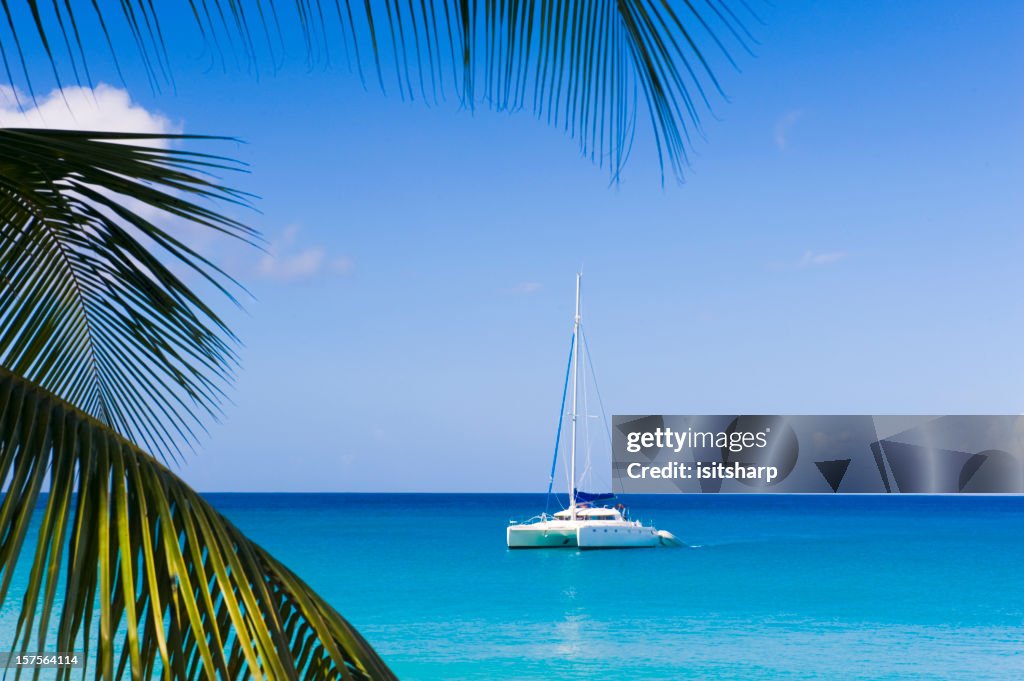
x=848 y=241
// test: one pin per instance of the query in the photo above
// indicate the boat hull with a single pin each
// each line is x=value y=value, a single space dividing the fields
x=617 y=537
x=583 y=535
x=530 y=537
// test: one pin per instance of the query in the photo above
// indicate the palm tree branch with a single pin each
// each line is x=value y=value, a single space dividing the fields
x=89 y=305
x=193 y=596
x=584 y=58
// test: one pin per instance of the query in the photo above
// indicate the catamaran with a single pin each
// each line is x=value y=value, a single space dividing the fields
x=584 y=524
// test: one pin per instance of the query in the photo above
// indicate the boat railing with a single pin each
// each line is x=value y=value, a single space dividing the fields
x=535 y=519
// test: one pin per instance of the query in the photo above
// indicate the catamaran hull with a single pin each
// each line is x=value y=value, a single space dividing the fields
x=597 y=536
x=525 y=537
x=593 y=537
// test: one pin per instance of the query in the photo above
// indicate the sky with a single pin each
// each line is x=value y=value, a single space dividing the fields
x=847 y=241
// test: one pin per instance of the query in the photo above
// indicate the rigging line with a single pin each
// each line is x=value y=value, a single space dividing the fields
x=600 y=402
x=588 y=471
x=561 y=415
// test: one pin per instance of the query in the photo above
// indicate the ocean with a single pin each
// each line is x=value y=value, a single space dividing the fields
x=769 y=587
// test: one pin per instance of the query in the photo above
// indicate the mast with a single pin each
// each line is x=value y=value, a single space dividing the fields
x=575 y=376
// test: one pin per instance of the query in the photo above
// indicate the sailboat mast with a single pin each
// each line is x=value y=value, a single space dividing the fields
x=575 y=377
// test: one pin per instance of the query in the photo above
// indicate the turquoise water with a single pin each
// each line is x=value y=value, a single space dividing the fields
x=772 y=587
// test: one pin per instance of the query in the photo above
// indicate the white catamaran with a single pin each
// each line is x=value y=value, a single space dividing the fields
x=583 y=524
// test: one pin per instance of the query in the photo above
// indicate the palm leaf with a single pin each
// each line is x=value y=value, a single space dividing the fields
x=582 y=65
x=90 y=308
x=194 y=597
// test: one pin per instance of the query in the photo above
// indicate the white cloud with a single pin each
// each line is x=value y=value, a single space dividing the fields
x=108 y=109
x=783 y=127
x=295 y=266
x=525 y=288
x=287 y=260
x=343 y=265
x=812 y=259
x=103 y=108
x=111 y=109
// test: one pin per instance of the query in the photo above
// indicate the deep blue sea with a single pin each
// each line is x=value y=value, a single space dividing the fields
x=770 y=587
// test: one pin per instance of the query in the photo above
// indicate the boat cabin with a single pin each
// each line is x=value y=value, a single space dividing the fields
x=589 y=513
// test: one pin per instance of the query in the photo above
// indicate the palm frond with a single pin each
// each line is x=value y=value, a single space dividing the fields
x=582 y=65
x=90 y=308
x=181 y=592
